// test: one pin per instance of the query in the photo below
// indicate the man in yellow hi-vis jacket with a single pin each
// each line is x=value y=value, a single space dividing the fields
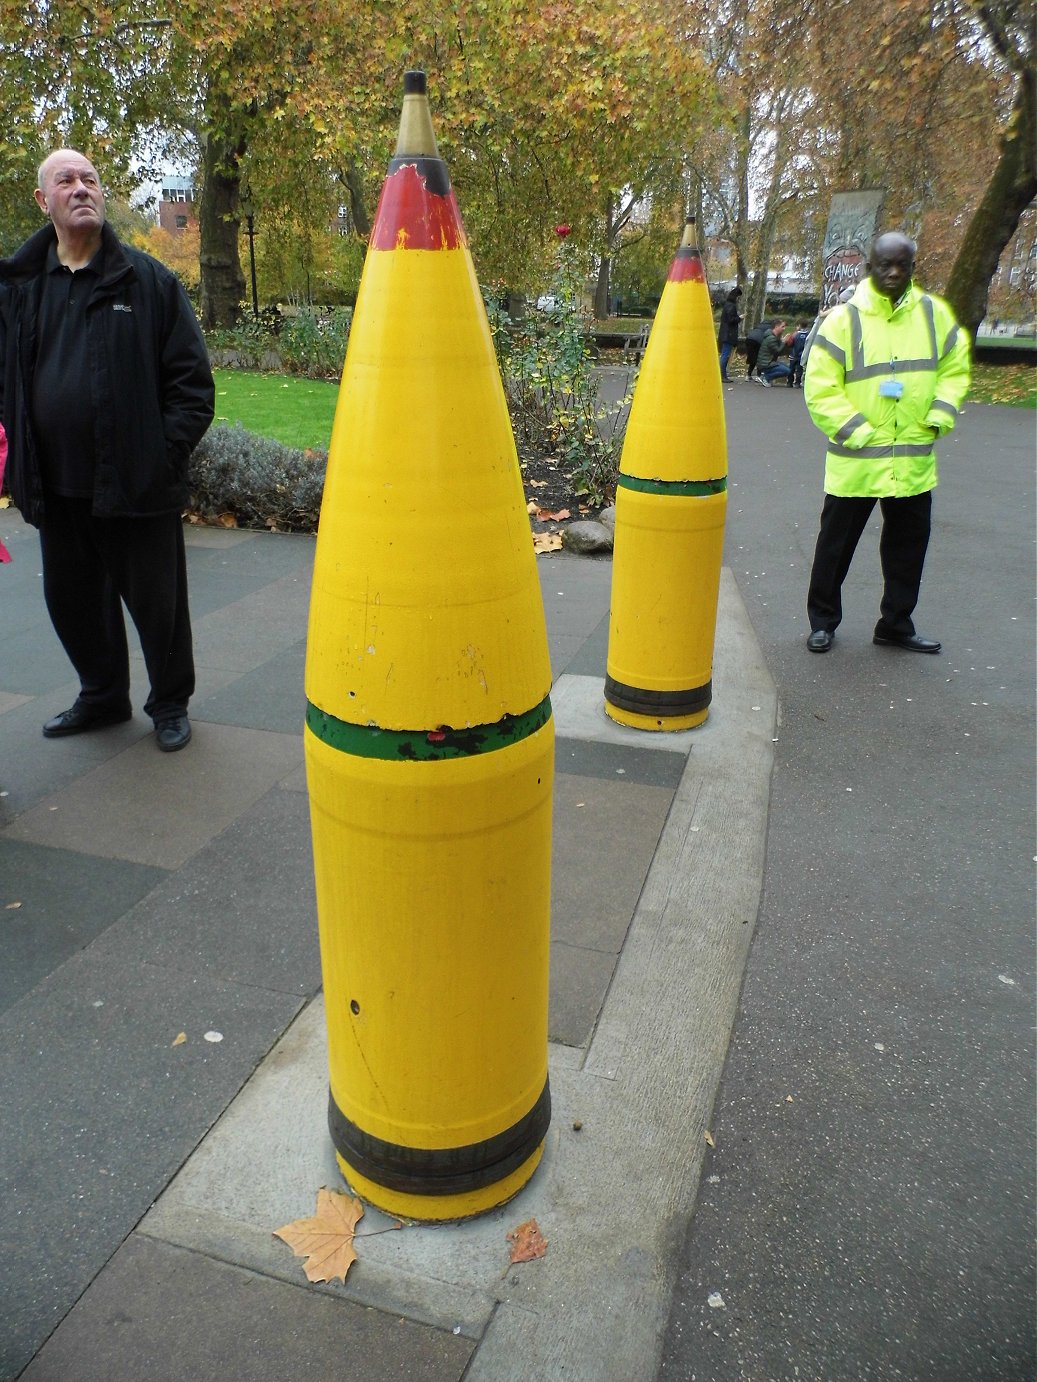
x=886 y=376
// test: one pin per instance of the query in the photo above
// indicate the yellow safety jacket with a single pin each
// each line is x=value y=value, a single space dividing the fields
x=883 y=382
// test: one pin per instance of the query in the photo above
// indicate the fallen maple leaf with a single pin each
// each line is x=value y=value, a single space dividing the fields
x=547 y=542
x=545 y=516
x=527 y=1242
x=327 y=1238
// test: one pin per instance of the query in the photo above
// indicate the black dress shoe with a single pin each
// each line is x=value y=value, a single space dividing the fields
x=173 y=734
x=912 y=642
x=79 y=718
x=820 y=641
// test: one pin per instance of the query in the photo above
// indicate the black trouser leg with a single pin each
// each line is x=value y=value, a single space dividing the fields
x=842 y=522
x=146 y=559
x=88 y=564
x=906 y=524
x=83 y=604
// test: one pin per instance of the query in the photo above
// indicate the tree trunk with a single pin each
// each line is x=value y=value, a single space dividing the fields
x=354 y=186
x=601 y=288
x=741 y=226
x=222 y=281
x=1010 y=191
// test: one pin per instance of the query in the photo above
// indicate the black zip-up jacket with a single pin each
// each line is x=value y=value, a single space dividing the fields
x=152 y=392
x=729 y=319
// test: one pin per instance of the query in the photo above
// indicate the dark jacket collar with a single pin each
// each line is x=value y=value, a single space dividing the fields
x=30 y=259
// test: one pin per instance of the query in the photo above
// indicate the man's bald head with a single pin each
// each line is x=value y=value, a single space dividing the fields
x=59 y=158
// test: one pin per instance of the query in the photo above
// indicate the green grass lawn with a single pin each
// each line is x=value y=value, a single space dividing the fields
x=299 y=412
x=1014 y=384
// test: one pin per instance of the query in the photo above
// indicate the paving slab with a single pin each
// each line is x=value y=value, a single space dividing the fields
x=271 y=696
x=227 y=913
x=101 y=1106
x=605 y=836
x=53 y=903
x=165 y=1314
x=158 y=809
x=247 y=632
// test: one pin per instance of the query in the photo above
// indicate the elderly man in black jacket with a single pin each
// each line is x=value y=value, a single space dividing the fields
x=105 y=390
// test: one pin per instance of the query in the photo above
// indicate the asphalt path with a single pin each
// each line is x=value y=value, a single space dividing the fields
x=868 y=1210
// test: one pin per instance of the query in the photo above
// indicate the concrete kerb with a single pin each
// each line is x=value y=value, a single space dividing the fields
x=613 y=1194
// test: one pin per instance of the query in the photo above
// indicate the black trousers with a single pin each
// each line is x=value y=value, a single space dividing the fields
x=902 y=547
x=91 y=565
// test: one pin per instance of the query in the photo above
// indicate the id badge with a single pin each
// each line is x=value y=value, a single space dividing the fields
x=891 y=388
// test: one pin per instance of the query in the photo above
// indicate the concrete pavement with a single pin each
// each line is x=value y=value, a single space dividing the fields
x=867 y=1210
x=146 y=896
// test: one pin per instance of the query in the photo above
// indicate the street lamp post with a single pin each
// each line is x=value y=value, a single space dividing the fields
x=250 y=228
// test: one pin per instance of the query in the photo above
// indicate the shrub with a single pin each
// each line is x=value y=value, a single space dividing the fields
x=551 y=389
x=248 y=342
x=315 y=344
x=259 y=482
x=310 y=343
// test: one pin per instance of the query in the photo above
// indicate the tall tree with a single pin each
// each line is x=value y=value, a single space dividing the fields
x=945 y=121
x=1011 y=29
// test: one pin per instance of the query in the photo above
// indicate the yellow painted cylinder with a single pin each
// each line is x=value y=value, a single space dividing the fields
x=671 y=505
x=664 y=607
x=429 y=738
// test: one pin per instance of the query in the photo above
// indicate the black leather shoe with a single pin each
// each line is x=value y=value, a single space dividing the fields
x=79 y=718
x=173 y=734
x=911 y=642
x=820 y=641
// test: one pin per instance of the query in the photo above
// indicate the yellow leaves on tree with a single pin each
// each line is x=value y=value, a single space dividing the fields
x=327 y=1238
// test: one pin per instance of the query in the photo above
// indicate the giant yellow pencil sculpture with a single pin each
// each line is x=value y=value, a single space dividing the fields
x=671 y=502
x=429 y=737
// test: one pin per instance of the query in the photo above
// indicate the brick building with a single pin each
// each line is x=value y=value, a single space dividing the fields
x=176 y=209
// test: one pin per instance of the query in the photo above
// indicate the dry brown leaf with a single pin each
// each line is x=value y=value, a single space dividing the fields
x=709 y=1138
x=536 y=484
x=531 y=507
x=527 y=1242
x=227 y=520
x=179 y=1039
x=556 y=517
x=326 y=1239
x=547 y=542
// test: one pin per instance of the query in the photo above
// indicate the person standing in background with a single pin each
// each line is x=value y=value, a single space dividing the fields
x=886 y=376
x=105 y=390
x=727 y=337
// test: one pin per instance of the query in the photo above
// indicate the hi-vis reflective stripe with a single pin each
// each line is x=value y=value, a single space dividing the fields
x=908 y=449
x=859 y=370
x=848 y=428
x=424 y=745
